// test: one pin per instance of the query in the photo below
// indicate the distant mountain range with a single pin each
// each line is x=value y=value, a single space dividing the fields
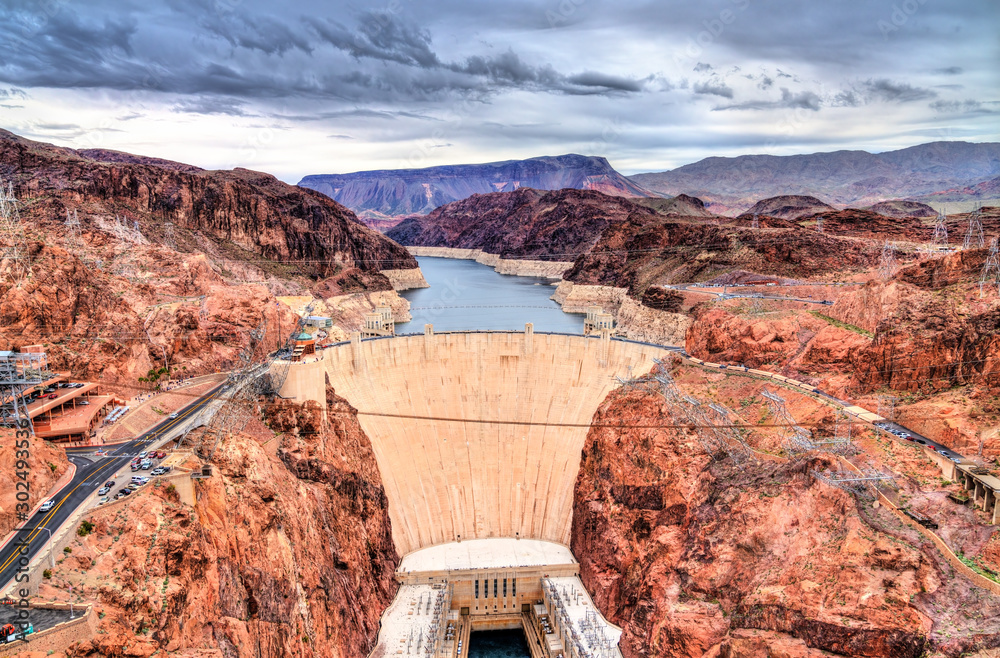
x=843 y=178
x=959 y=173
x=383 y=197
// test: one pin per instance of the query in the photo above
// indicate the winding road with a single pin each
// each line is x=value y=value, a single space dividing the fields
x=92 y=471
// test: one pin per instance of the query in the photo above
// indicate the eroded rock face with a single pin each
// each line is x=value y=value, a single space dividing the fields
x=637 y=253
x=288 y=552
x=252 y=209
x=524 y=224
x=693 y=557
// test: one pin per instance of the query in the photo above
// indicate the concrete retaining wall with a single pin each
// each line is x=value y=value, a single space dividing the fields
x=515 y=266
x=406 y=279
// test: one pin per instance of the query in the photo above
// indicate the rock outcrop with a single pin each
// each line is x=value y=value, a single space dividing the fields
x=790 y=206
x=698 y=558
x=526 y=224
x=288 y=552
x=899 y=209
x=254 y=210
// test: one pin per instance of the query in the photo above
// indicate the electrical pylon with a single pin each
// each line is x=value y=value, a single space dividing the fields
x=887 y=263
x=991 y=269
x=974 y=238
x=15 y=259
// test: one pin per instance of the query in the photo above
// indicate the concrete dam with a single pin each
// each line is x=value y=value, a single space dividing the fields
x=478 y=438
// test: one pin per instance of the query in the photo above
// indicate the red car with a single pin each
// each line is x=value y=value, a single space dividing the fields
x=52 y=396
x=161 y=455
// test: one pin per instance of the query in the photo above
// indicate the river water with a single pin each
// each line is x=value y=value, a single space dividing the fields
x=498 y=644
x=465 y=295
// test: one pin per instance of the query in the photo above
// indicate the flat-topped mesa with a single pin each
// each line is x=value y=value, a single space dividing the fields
x=477 y=435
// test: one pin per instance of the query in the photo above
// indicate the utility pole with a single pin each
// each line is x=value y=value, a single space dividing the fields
x=14 y=256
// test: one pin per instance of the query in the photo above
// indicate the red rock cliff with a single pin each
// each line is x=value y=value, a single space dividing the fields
x=698 y=558
x=287 y=552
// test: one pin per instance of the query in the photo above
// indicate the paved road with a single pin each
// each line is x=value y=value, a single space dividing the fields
x=40 y=618
x=91 y=473
x=727 y=293
x=887 y=427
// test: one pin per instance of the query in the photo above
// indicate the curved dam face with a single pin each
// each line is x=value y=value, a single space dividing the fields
x=476 y=435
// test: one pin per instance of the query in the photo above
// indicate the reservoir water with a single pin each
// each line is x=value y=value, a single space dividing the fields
x=464 y=295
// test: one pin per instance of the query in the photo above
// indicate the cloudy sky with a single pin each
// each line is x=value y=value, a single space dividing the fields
x=308 y=86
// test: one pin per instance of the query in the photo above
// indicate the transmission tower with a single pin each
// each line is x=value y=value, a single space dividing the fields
x=258 y=373
x=240 y=394
x=991 y=270
x=887 y=263
x=15 y=259
x=796 y=439
x=863 y=484
x=840 y=442
x=723 y=426
x=756 y=223
x=73 y=238
x=819 y=224
x=974 y=238
x=940 y=238
x=20 y=372
x=887 y=407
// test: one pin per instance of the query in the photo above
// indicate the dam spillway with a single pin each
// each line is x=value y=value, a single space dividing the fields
x=476 y=434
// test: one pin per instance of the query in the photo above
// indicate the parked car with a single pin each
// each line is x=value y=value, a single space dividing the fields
x=146 y=465
x=103 y=500
x=157 y=471
x=52 y=396
x=47 y=505
x=103 y=490
x=124 y=491
x=161 y=455
x=82 y=402
x=135 y=467
x=143 y=453
x=109 y=483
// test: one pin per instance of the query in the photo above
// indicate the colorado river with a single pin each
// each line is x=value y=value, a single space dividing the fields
x=464 y=294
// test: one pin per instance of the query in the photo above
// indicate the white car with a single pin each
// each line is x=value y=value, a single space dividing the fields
x=47 y=505
x=173 y=416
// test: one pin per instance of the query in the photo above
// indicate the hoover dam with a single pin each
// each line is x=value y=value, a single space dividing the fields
x=478 y=438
